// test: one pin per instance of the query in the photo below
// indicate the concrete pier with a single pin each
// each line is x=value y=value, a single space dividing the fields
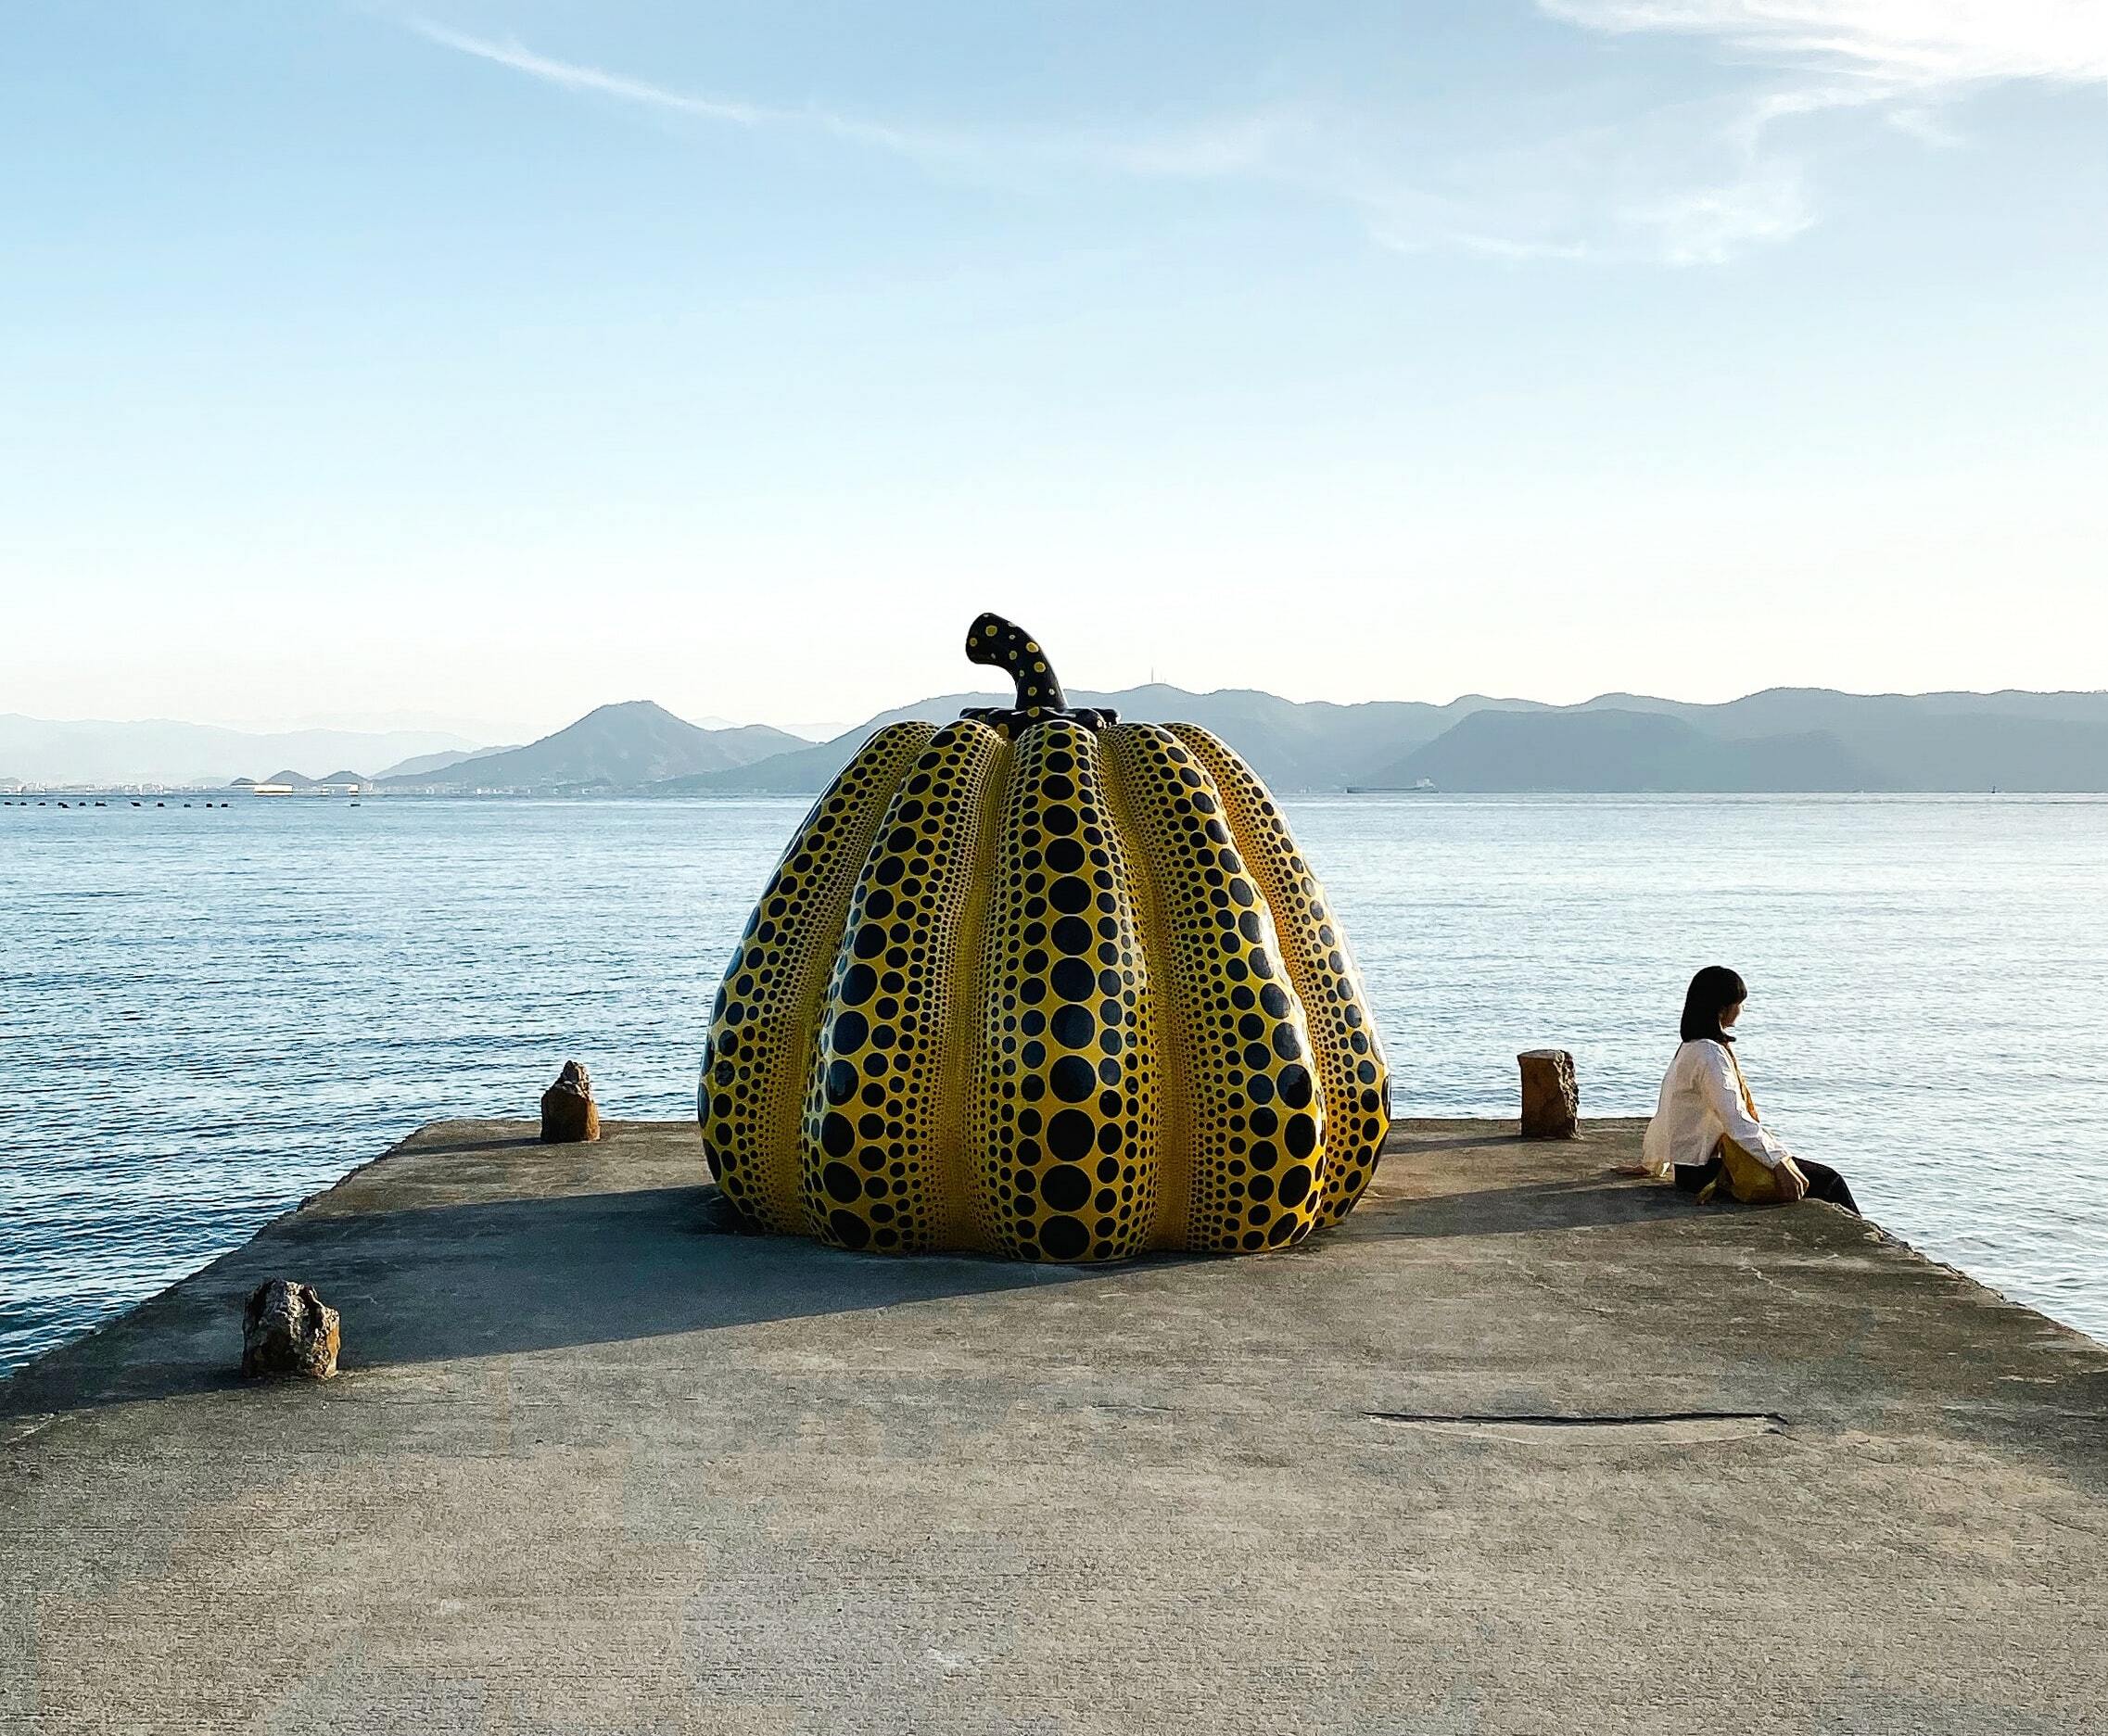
x=1530 y=1444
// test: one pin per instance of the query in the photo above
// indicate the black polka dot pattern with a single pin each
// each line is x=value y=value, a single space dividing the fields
x=1235 y=1061
x=756 y=1066
x=1355 y=1083
x=883 y=1125
x=1042 y=984
x=1062 y=1127
x=1002 y=645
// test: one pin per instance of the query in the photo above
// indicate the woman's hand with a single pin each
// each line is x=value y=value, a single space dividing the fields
x=1793 y=1185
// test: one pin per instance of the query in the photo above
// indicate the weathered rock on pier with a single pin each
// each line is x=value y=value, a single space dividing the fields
x=1516 y=1449
x=569 y=1115
x=1551 y=1097
x=287 y=1329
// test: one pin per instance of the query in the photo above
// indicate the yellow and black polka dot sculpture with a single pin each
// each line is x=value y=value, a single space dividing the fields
x=1041 y=984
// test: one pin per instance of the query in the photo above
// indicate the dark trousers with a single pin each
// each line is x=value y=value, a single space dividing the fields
x=1823 y=1182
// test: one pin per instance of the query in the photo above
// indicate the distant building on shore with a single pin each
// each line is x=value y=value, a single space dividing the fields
x=296 y=783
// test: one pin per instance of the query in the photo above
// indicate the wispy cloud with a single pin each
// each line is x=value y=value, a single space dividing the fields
x=1711 y=225
x=574 y=76
x=1907 y=61
x=1684 y=184
x=1925 y=123
x=1906 y=44
x=1326 y=155
x=1205 y=149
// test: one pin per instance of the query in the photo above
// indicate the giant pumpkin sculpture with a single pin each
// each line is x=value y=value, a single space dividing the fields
x=1044 y=984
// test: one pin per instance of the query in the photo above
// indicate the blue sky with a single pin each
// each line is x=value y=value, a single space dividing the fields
x=472 y=364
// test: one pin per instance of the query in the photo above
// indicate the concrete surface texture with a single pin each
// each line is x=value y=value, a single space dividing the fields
x=1528 y=1444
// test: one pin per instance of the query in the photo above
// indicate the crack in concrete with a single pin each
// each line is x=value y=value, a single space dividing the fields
x=1679 y=1427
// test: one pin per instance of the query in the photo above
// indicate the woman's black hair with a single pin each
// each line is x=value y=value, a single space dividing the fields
x=1713 y=992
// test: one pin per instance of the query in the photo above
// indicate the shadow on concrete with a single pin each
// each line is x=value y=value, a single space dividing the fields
x=1610 y=1196
x=424 y=1284
x=1405 y=1144
x=433 y=1283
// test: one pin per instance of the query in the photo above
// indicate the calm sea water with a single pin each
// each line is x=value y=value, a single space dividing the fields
x=208 y=1013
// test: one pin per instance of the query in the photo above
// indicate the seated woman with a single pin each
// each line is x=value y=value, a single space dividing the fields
x=1705 y=1104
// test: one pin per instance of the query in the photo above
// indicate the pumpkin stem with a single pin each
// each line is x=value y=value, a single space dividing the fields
x=1003 y=644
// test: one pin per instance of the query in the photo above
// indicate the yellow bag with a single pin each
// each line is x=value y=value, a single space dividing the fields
x=1748 y=1177
x=1753 y=1181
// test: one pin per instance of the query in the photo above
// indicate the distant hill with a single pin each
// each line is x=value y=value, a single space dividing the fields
x=425 y=763
x=1782 y=739
x=614 y=748
x=2006 y=740
x=1605 y=750
x=193 y=754
x=293 y=778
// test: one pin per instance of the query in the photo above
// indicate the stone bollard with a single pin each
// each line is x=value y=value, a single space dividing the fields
x=287 y=1329
x=1550 y=1100
x=568 y=1112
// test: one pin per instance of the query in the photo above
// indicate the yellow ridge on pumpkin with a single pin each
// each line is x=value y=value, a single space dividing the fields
x=966 y=1225
x=1256 y=1121
x=874 y=1144
x=1350 y=1068
x=1064 y=1137
x=759 y=1055
x=1155 y=1026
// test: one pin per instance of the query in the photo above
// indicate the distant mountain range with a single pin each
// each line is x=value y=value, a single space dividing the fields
x=620 y=748
x=1309 y=745
x=192 y=754
x=1784 y=739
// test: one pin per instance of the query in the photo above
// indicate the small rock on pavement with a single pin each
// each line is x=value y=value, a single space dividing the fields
x=568 y=1112
x=287 y=1329
x=1550 y=1100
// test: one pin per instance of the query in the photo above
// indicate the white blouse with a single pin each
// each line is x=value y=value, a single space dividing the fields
x=1703 y=1097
